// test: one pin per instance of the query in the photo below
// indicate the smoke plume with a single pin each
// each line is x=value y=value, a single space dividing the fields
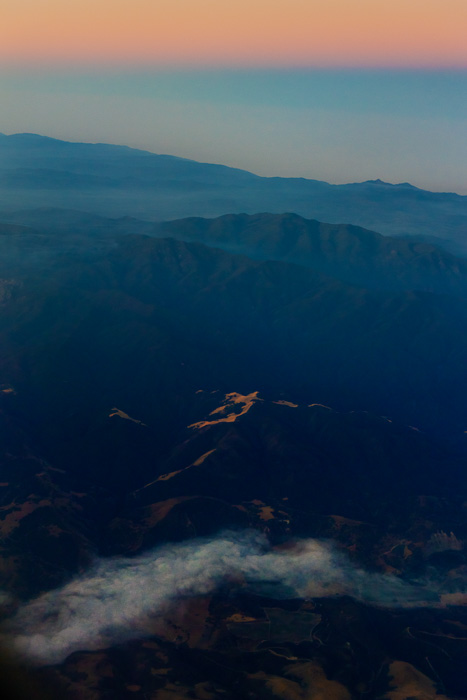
x=113 y=600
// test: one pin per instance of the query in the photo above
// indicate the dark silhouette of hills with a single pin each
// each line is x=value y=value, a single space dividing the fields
x=226 y=320
x=119 y=181
x=350 y=253
x=243 y=460
x=271 y=373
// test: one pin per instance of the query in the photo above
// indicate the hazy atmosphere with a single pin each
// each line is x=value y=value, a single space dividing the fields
x=233 y=313
x=333 y=125
x=333 y=90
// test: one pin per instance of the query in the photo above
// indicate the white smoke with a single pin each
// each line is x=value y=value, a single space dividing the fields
x=114 y=599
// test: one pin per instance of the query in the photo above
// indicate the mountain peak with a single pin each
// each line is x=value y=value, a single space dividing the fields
x=383 y=183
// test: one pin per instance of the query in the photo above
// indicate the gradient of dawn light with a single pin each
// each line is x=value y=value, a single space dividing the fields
x=336 y=90
x=244 y=32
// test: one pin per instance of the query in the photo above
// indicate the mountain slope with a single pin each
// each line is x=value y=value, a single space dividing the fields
x=118 y=181
x=350 y=253
x=155 y=391
x=145 y=324
x=353 y=254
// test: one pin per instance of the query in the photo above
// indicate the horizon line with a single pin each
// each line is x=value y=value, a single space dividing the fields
x=375 y=180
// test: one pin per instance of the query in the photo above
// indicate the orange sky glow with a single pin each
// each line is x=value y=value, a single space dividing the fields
x=415 y=33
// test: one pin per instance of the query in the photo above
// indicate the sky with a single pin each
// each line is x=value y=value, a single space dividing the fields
x=336 y=90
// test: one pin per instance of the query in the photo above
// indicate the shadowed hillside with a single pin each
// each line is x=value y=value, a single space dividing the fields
x=119 y=181
x=302 y=417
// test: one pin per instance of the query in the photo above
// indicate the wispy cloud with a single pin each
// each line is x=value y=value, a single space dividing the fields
x=113 y=601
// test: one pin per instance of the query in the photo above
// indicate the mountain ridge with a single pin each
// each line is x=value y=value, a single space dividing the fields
x=46 y=140
x=376 y=181
x=157 y=187
x=353 y=254
x=156 y=391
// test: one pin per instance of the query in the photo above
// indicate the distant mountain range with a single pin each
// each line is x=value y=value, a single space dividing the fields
x=350 y=253
x=119 y=181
